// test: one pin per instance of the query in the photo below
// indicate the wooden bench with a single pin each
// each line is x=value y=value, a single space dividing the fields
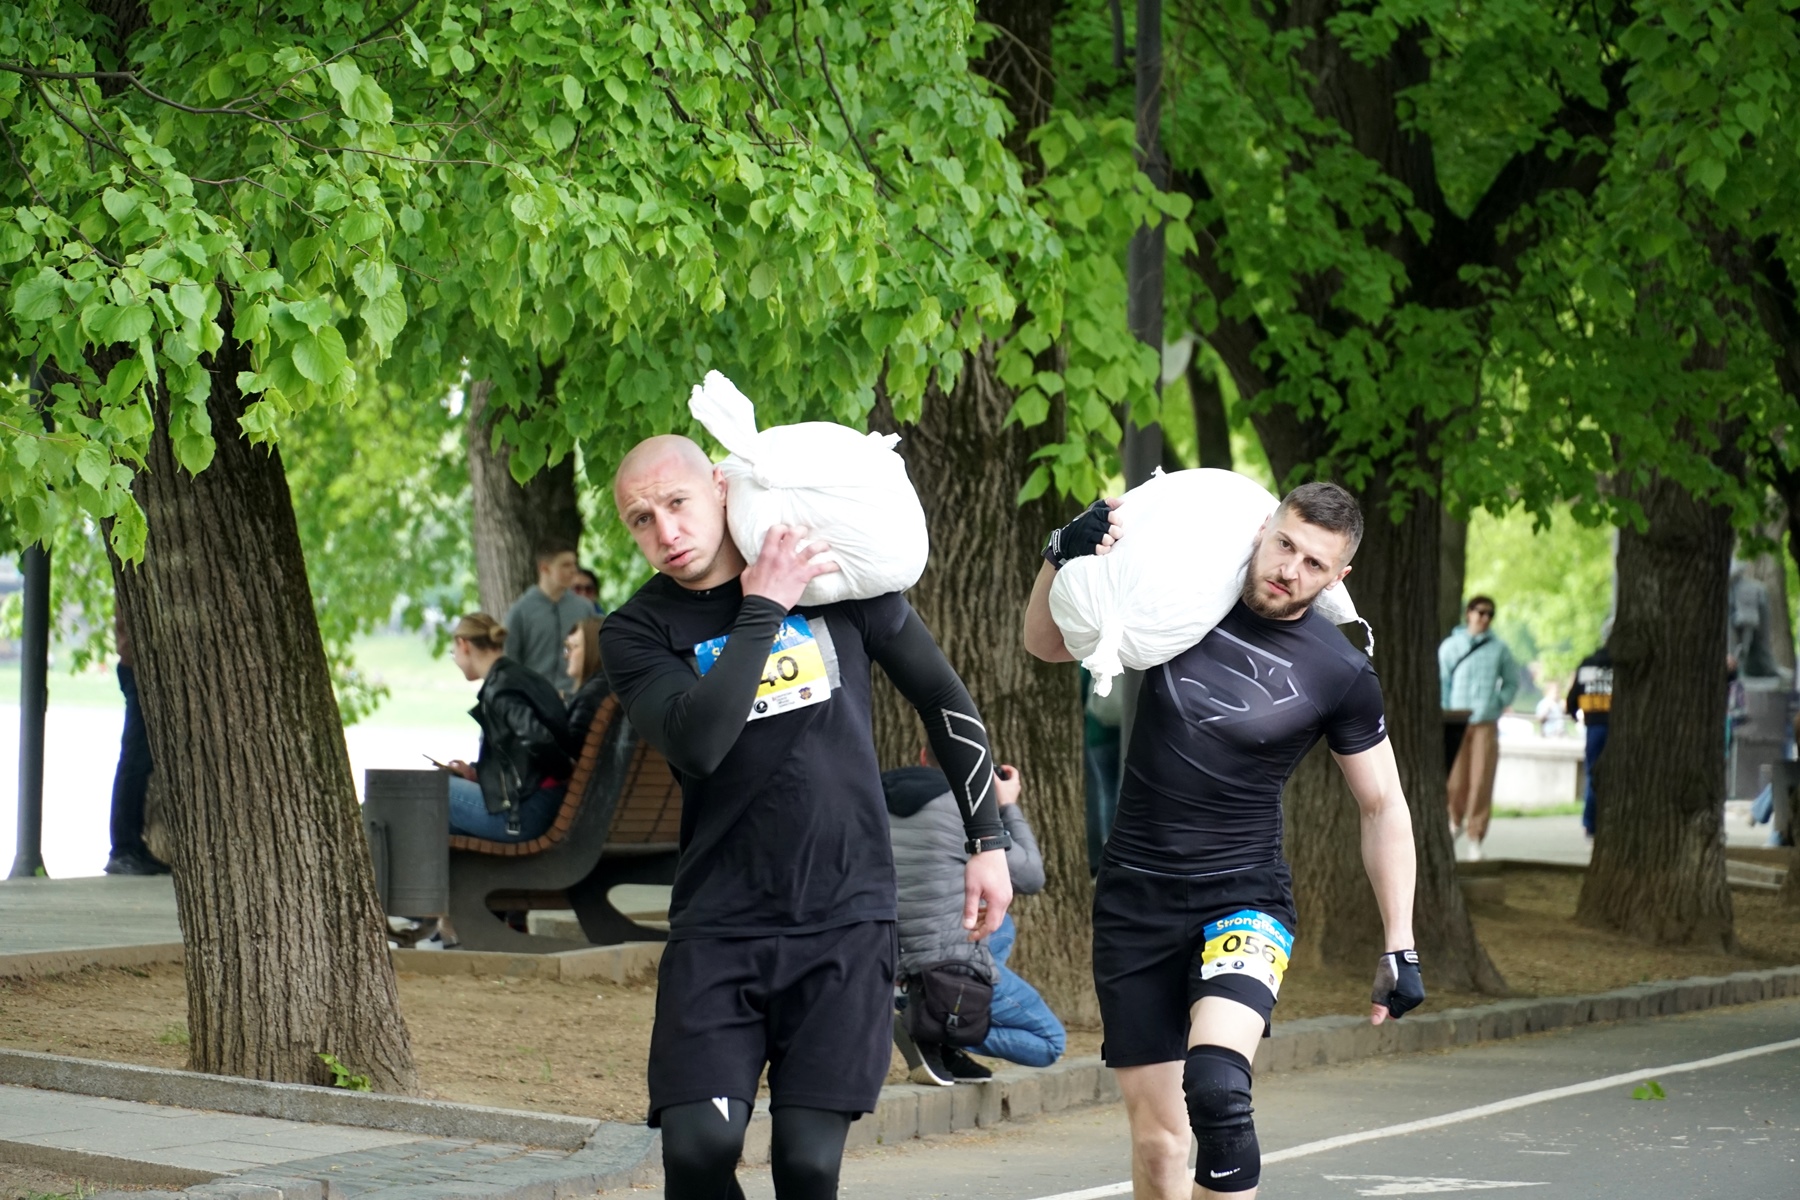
x=620 y=822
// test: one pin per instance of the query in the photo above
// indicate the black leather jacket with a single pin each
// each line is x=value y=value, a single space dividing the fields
x=524 y=735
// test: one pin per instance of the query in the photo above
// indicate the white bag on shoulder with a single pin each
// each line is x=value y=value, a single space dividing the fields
x=848 y=489
x=1173 y=576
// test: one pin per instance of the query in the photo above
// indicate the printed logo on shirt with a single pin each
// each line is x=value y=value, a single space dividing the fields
x=1248 y=943
x=1235 y=681
x=793 y=678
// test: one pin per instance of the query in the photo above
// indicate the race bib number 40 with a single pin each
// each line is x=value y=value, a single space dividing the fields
x=794 y=677
x=1247 y=943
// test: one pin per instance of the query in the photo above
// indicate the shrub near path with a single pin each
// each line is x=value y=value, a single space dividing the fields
x=580 y=1047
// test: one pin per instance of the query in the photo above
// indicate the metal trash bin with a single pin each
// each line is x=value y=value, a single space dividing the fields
x=406 y=817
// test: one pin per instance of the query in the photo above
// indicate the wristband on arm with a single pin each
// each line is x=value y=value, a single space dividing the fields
x=1081 y=536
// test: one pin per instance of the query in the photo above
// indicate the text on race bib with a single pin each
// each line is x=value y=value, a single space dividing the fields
x=1247 y=943
x=794 y=677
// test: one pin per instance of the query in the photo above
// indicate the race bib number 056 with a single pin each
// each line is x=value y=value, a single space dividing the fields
x=1247 y=943
x=794 y=677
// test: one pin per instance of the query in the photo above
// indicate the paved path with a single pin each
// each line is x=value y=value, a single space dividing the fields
x=82 y=913
x=162 y=1136
x=1731 y=1130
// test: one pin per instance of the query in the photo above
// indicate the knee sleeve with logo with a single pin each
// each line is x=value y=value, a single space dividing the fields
x=1216 y=1082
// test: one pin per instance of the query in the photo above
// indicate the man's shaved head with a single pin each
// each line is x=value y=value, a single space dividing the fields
x=672 y=499
x=654 y=455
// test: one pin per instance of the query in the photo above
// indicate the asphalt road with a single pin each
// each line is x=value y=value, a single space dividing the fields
x=1729 y=1130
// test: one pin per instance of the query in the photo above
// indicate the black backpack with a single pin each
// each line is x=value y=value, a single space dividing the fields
x=949 y=1004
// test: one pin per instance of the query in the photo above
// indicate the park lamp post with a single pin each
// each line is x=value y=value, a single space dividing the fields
x=34 y=666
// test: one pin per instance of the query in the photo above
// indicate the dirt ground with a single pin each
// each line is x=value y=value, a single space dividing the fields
x=30 y=1183
x=580 y=1047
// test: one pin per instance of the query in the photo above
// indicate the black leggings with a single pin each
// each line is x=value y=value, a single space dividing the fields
x=701 y=1146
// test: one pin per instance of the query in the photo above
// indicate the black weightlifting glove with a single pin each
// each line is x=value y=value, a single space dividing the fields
x=1398 y=983
x=1080 y=536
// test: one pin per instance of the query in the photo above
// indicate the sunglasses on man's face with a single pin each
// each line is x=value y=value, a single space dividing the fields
x=583 y=589
x=1483 y=612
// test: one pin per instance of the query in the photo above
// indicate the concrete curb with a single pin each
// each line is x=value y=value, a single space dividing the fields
x=57 y=962
x=293 y=1101
x=628 y=962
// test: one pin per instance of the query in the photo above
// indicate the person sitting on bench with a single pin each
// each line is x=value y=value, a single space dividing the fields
x=581 y=658
x=516 y=784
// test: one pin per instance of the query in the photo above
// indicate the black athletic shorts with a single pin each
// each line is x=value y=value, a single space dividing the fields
x=817 y=1007
x=1162 y=942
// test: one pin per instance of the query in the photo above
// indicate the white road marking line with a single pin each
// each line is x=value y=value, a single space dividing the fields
x=1469 y=1114
x=1421 y=1185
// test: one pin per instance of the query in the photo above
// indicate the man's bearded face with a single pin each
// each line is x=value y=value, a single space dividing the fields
x=1292 y=563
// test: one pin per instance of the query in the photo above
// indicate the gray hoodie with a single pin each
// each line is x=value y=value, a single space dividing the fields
x=927 y=833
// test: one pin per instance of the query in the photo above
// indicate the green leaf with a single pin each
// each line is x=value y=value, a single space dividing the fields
x=369 y=103
x=345 y=75
x=128 y=324
x=615 y=87
x=119 y=205
x=762 y=281
x=749 y=173
x=572 y=93
x=40 y=297
x=1708 y=172
x=460 y=56
x=1035 y=484
x=93 y=465
x=1649 y=1090
x=1752 y=116
x=320 y=356
x=385 y=317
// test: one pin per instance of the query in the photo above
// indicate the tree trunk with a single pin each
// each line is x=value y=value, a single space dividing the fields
x=510 y=520
x=1453 y=571
x=1658 y=871
x=1212 y=428
x=285 y=945
x=1394 y=580
x=967 y=466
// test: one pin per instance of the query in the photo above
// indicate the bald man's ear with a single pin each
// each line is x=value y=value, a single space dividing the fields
x=719 y=482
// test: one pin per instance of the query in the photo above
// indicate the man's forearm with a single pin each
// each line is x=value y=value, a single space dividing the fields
x=1388 y=857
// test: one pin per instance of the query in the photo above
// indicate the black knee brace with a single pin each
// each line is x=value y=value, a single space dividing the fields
x=1217 y=1085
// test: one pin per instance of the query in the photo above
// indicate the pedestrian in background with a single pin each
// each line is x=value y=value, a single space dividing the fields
x=1590 y=702
x=131 y=779
x=1476 y=672
x=544 y=613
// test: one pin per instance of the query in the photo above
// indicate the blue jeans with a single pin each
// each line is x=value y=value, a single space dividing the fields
x=469 y=813
x=1596 y=742
x=1021 y=1028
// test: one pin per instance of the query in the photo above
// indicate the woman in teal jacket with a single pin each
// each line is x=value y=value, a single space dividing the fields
x=1476 y=673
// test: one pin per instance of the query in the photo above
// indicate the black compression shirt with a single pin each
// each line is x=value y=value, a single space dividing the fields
x=783 y=823
x=1220 y=728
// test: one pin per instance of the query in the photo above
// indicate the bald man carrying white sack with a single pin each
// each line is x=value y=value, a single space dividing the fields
x=781 y=924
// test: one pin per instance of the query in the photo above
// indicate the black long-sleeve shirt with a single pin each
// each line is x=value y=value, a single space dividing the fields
x=765 y=717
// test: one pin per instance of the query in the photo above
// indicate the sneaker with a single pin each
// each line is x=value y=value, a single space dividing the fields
x=135 y=862
x=1474 y=852
x=924 y=1062
x=964 y=1069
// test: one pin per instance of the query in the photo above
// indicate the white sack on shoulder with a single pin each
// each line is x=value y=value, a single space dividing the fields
x=848 y=489
x=1175 y=573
